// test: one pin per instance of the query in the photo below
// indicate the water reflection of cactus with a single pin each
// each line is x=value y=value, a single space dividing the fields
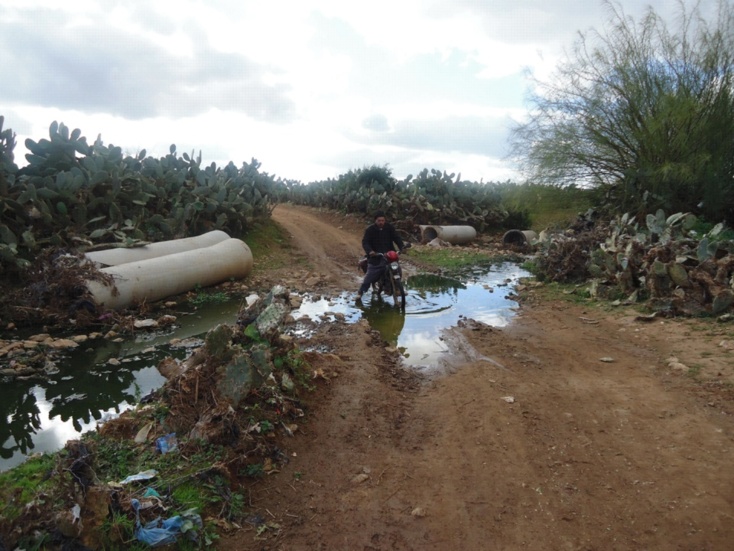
x=434 y=283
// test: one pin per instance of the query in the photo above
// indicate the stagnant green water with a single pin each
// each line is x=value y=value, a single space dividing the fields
x=42 y=415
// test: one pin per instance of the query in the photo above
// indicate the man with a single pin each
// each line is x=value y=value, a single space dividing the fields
x=378 y=238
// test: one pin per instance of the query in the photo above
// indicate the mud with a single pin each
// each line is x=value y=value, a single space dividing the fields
x=576 y=427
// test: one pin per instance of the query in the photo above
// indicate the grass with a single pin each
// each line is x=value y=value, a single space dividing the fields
x=206 y=297
x=695 y=371
x=449 y=258
x=269 y=245
x=24 y=484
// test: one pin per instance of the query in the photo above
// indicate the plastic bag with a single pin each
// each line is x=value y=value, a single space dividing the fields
x=167 y=443
x=163 y=532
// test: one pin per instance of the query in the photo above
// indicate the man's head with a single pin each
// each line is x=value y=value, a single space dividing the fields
x=380 y=219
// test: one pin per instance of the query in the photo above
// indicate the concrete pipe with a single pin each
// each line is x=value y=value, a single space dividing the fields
x=456 y=235
x=157 y=278
x=115 y=257
x=519 y=237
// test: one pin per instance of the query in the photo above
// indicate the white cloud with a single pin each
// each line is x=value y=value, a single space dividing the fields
x=311 y=89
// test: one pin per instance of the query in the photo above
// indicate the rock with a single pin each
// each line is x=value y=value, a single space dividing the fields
x=237 y=378
x=218 y=341
x=68 y=522
x=286 y=383
x=360 y=478
x=145 y=324
x=170 y=368
x=166 y=320
x=79 y=339
x=40 y=337
x=674 y=364
x=312 y=281
x=271 y=318
x=63 y=344
x=418 y=512
x=438 y=243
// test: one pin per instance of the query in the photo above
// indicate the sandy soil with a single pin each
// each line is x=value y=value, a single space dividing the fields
x=575 y=430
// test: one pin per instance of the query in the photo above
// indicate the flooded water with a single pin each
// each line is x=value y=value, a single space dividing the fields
x=42 y=415
x=434 y=303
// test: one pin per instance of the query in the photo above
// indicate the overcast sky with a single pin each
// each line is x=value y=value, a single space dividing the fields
x=309 y=88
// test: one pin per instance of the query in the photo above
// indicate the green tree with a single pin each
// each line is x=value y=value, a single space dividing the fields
x=643 y=111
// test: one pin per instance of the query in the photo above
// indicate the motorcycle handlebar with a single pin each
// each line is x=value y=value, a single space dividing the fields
x=407 y=246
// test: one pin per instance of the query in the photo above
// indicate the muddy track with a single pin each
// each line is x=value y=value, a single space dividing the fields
x=569 y=429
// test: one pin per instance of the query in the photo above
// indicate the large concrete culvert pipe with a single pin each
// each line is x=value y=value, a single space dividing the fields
x=157 y=278
x=456 y=235
x=519 y=237
x=114 y=257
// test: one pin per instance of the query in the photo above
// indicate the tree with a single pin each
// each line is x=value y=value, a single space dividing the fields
x=641 y=112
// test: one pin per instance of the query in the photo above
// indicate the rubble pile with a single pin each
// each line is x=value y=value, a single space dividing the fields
x=229 y=403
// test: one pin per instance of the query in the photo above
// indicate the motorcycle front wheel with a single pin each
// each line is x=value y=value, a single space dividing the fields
x=398 y=293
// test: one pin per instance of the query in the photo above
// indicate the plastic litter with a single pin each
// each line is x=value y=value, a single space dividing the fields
x=150 y=492
x=142 y=435
x=167 y=443
x=144 y=475
x=163 y=532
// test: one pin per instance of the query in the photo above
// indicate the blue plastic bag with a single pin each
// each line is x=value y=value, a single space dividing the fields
x=158 y=532
x=167 y=443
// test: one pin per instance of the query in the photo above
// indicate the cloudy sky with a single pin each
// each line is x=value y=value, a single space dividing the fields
x=309 y=88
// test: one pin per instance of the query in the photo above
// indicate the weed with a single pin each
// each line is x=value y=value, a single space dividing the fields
x=202 y=297
x=297 y=364
x=24 y=483
x=530 y=266
x=255 y=470
x=118 y=529
x=116 y=459
x=189 y=496
x=235 y=507
x=450 y=258
x=694 y=371
x=269 y=245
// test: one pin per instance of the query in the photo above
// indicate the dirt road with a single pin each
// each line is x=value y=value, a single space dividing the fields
x=578 y=432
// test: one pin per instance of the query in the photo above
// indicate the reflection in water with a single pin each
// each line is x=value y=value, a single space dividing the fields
x=434 y=303
x=40 y=416
x=437 y=303
x=383 y=315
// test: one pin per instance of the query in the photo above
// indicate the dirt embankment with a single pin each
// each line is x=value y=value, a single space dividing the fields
x=576 y=430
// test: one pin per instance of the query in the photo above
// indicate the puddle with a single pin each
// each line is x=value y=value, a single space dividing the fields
x=434 y=303
x=42 y=415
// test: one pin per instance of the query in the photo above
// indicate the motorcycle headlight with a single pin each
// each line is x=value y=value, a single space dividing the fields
x=394 y=265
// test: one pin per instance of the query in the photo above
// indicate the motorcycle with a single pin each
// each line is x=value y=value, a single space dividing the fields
x=391 y=281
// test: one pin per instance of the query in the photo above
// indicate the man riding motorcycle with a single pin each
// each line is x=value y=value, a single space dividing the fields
x=378 y=238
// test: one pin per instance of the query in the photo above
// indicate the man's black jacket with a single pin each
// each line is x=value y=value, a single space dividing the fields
x=380 y=240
